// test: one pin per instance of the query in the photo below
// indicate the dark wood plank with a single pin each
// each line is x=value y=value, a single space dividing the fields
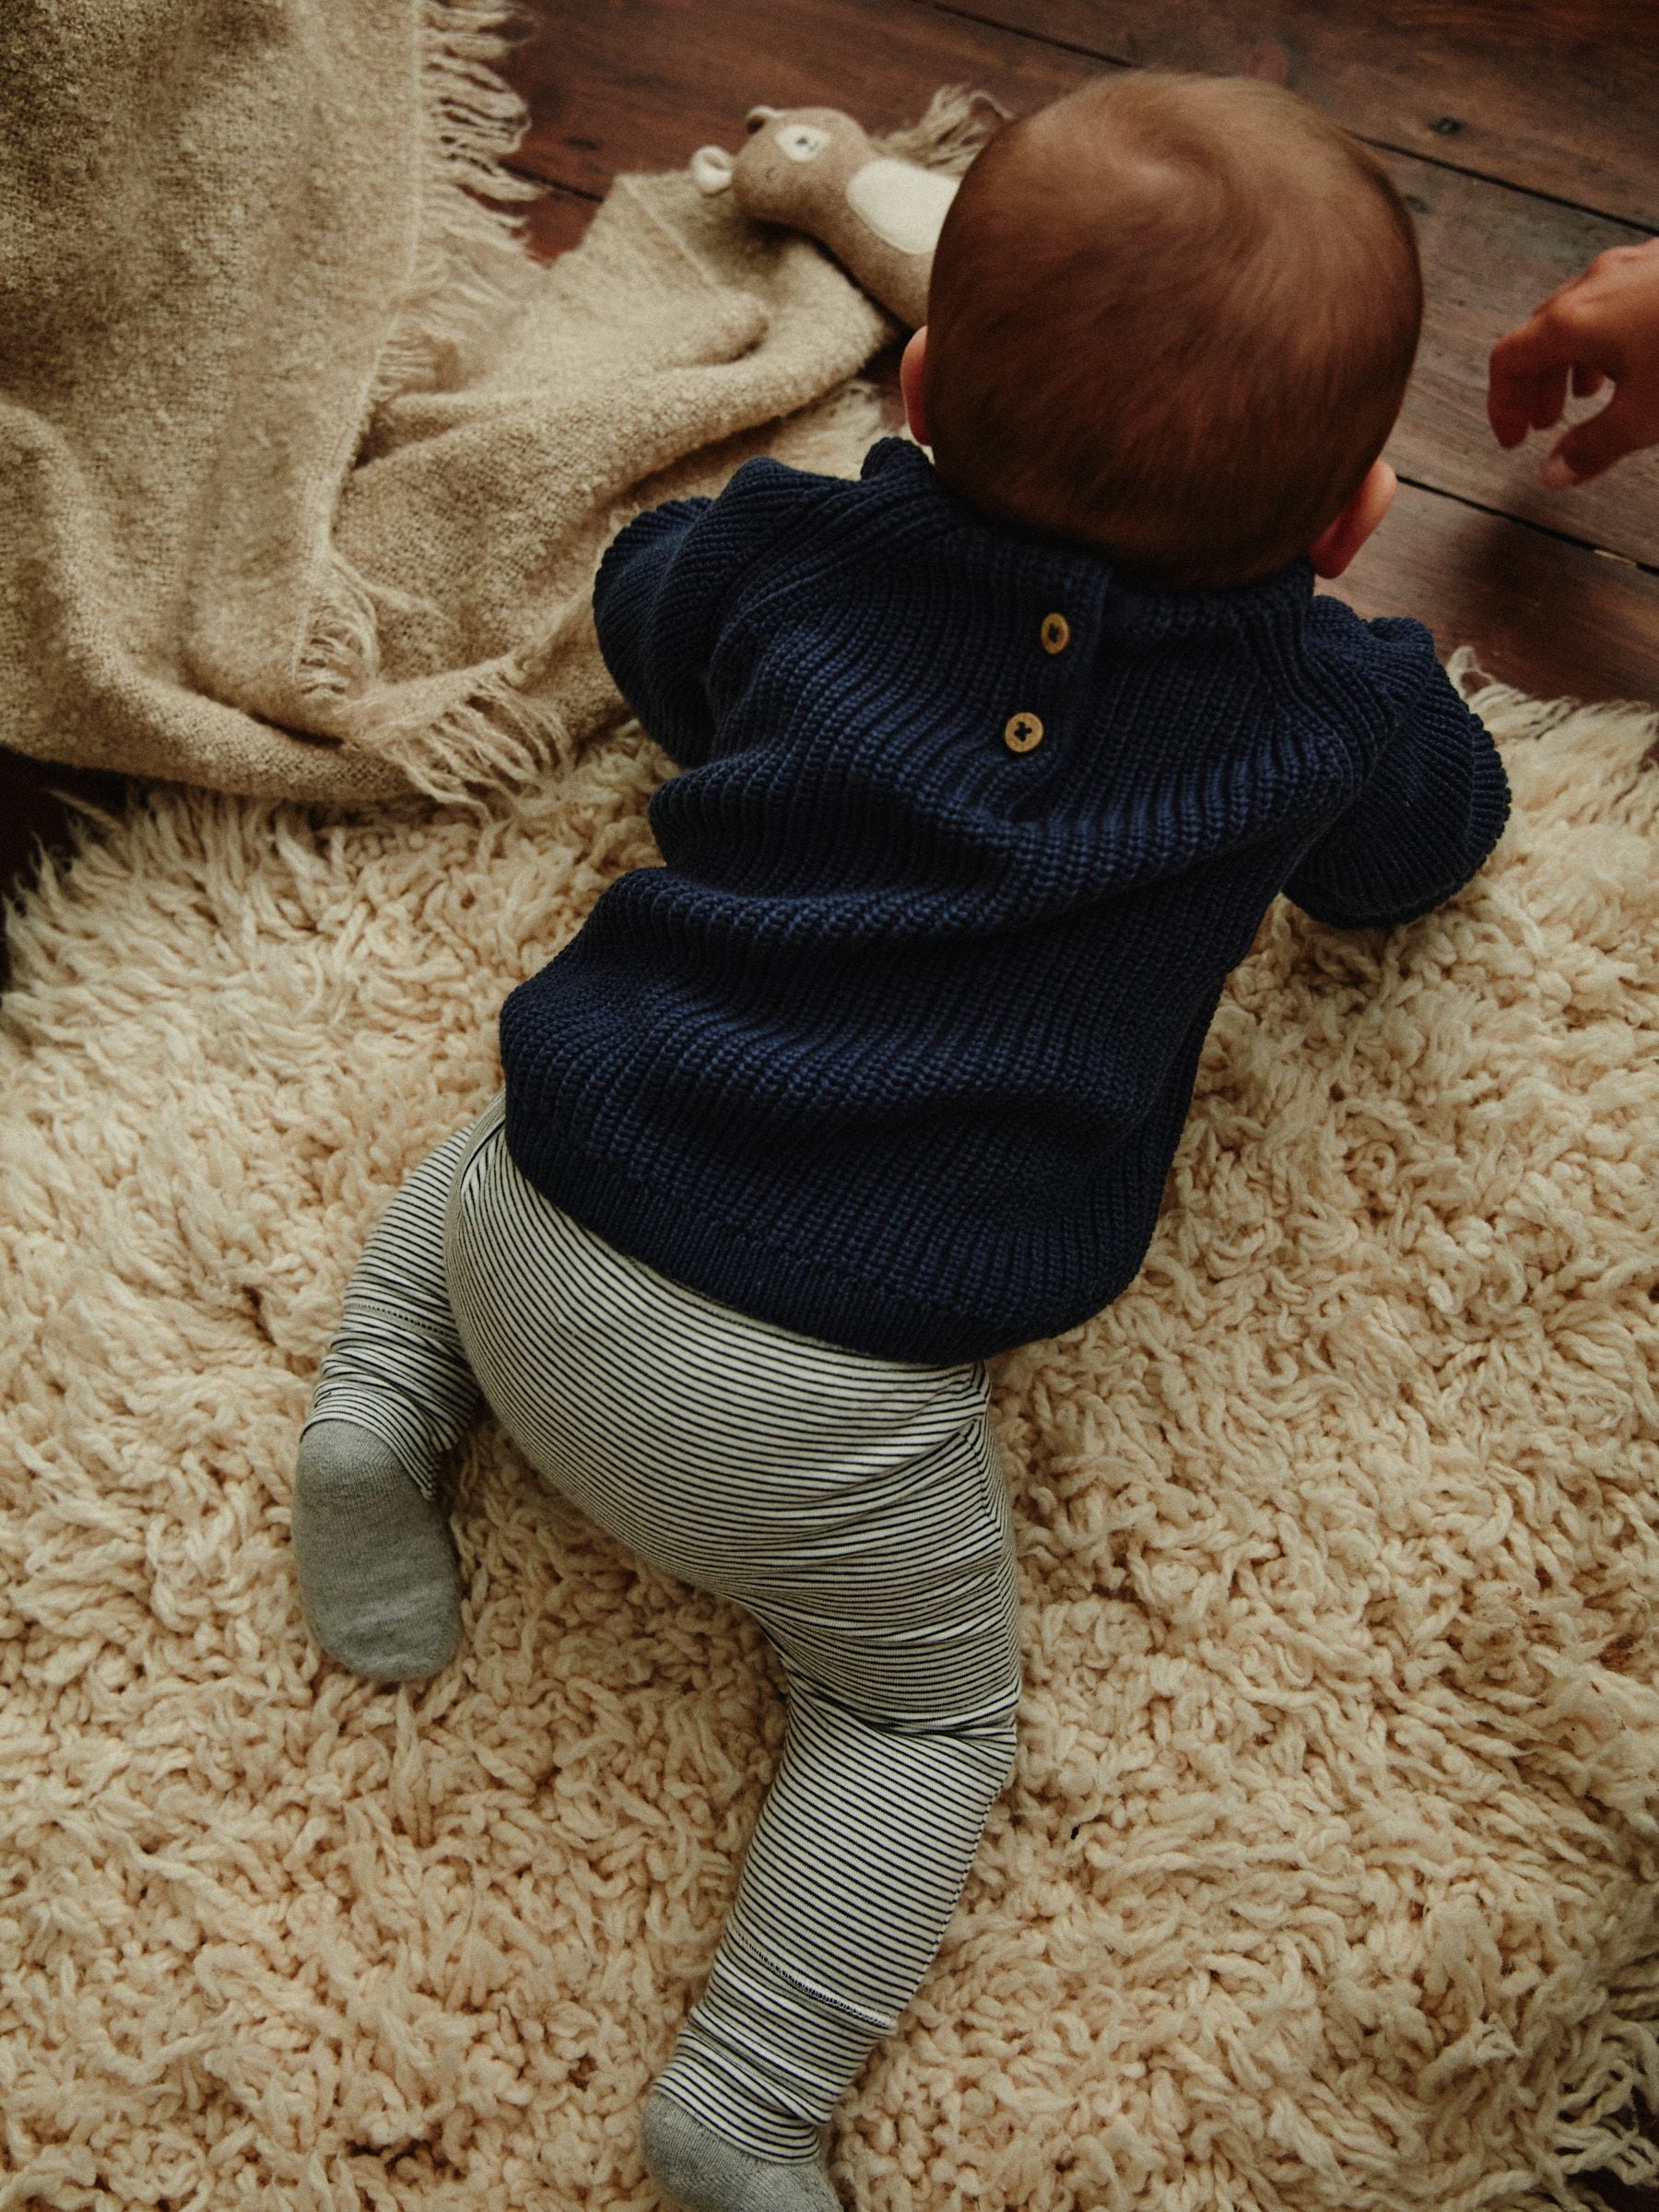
x=639 y=83
x=558 y=220
x=1559 y=96
x=1552 y=618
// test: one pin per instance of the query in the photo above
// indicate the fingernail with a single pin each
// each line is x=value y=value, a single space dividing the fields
x=1556 y=473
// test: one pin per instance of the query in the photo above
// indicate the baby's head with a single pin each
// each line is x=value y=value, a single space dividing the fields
x=1170 y=317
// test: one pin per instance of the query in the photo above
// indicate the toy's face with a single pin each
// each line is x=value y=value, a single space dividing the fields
x=814 y=169
x=782 y=142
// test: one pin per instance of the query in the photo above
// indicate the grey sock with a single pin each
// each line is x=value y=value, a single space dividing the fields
x=377 y=1568
x=705 y=2174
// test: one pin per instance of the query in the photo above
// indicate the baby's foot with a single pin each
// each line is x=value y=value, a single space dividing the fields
x=705 y=2174
x=377 y=1565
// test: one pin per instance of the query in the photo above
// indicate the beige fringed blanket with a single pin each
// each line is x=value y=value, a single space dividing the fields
x=304 y=465
x=1329 y=1881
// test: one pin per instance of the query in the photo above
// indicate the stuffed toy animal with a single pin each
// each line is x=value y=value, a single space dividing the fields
x=815 y=169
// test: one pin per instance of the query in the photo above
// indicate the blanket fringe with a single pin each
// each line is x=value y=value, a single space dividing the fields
x=471 y=266
x=493 y=734
x=342 y=648
x=470 y=277
x=498 y=732
x=472 y=274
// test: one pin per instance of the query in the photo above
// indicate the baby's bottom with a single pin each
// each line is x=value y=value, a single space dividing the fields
x=854 y=1506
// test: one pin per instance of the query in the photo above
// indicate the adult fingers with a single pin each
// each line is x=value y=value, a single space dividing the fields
x=1519 y=401
x=1526 y=378
x=1628 y=421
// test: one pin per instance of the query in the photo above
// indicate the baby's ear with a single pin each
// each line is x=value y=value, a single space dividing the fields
x=1342 y=537
x=815 y=169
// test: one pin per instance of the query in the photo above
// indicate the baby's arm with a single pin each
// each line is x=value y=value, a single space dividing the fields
x=1430 y=812
x=653 y=609
x=661 y=591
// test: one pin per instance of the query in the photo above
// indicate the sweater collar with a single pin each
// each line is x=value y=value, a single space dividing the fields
x=904 y=474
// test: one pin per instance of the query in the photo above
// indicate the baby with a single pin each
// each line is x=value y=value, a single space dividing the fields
x=993 y=765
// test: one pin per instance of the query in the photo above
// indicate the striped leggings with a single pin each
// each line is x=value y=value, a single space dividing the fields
x=854 y=1506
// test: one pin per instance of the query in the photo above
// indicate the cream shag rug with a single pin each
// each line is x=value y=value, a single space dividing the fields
x=1327 y=1882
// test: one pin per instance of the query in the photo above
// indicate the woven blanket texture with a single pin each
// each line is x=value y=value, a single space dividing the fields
x=1327 y=1883
x=307 y=464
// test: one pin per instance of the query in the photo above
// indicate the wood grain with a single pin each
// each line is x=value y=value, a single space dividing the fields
x=558 y=220
x=1553 y=96
x=641 y=84
x=1489 y=254
x=1555 y=620
x=1557 y=96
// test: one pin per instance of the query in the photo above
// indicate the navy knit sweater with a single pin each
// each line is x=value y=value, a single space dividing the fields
x=896 y=1048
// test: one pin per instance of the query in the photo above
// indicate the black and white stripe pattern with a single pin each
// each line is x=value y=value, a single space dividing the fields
x=854 y=1506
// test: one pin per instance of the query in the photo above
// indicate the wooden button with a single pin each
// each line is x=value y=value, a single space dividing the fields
x=1055 y=633
x=1021 y=732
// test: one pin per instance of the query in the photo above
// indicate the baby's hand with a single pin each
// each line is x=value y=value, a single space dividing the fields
x=1601 y=326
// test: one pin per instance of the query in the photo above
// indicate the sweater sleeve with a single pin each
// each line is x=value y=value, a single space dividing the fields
x=1428 y=815
x=660 y=592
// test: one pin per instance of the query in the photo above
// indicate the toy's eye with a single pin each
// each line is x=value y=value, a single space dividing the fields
x=803 y=141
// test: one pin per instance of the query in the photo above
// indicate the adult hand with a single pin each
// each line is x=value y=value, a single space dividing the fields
x=1601 y=328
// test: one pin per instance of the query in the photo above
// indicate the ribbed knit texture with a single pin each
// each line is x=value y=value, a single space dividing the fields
x=896 y=1048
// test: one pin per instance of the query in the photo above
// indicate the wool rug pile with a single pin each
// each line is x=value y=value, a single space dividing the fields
x=1327 y=1883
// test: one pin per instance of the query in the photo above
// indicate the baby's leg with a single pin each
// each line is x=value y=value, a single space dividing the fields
x=858 y=1509
x=371 y=1540
x=901 y=1656
x=862 y=1848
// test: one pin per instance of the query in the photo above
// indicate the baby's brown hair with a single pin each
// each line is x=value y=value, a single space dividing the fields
x=1173 y=318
